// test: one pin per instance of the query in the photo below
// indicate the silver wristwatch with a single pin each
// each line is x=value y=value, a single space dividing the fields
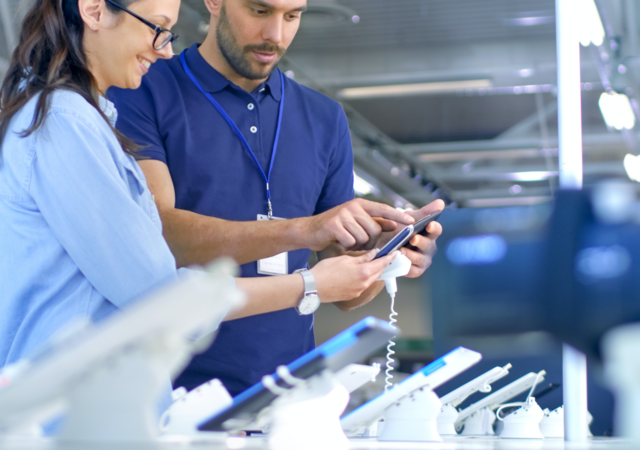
x=310 y=300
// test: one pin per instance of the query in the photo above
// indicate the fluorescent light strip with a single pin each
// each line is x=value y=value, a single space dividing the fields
x=531 y=176
x=411 y=89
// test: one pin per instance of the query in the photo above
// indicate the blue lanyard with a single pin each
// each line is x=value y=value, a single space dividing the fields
x=235 y=128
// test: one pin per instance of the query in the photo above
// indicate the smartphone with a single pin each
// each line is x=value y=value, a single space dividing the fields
x=402 y=239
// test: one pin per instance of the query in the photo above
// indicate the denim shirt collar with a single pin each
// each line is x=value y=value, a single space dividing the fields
x=109 y=110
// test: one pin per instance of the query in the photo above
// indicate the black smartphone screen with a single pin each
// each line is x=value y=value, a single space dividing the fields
x=402 y=239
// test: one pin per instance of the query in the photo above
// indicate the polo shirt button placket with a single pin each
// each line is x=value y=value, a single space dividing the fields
x=250 y=106
x=253 y=129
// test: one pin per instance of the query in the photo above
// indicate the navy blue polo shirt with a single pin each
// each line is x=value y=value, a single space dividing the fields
x=214 y=175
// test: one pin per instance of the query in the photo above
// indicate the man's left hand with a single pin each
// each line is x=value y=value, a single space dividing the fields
x=421 y=248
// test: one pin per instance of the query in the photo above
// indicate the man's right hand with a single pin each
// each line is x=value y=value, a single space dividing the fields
x=355 y=225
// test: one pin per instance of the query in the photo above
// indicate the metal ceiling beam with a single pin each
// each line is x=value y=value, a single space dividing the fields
x=530 y=123
x=612 y=168
x=502 y=192
x=592 y=140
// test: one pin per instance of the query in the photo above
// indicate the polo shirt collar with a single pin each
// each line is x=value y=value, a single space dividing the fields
x=213 y=81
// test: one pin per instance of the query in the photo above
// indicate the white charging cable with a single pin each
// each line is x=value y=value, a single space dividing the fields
x=399 y=267
x=526 y=401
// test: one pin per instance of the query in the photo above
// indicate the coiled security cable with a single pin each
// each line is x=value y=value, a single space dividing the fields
x=390 y=352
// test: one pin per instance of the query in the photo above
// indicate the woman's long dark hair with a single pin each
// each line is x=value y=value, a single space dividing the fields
x=50 y=56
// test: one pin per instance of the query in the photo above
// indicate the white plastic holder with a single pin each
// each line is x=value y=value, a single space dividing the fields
x=480 y=423
x=413 y=418
x=447 y=419
x=620 y=349
x=524 y=423
x=552 y=425
x=307 y=415
x=190 y=409
x=123 y=393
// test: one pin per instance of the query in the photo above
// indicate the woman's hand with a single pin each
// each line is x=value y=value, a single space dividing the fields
x=346 y=277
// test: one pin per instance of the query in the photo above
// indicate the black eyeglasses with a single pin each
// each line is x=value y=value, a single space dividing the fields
x=163 y=36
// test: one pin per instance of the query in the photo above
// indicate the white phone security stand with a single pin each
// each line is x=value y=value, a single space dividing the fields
x=190 y=409
x=412 y=418
x=449 y=414
x=620 y=349
x=480 y=423
x=308 y=414
x=552 y=424
x=446 y=420
x=106 y=380
x=523 y=423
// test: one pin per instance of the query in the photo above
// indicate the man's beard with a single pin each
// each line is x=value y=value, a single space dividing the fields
x=237 y=57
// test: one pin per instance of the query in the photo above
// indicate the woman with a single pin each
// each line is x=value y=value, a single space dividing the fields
x=80 y=234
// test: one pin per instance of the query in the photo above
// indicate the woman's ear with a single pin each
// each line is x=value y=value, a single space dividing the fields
x=92 y=12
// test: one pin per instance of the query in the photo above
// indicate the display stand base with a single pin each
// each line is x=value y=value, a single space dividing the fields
x=523 y=423
x=480 y=423
x=190 y=409
x=119 y=400
x=308 y=415
x=446 y=420
x=412 y=418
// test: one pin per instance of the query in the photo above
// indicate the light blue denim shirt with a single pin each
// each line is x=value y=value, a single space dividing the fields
x=80 y=235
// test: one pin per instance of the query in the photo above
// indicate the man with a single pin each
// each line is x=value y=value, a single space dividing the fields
x=229 y=141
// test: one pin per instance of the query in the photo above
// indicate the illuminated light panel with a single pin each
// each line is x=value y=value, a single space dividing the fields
x=363 y=187
x=591 y=29
x=632 y=167
x=411 y=89
x=617 y=111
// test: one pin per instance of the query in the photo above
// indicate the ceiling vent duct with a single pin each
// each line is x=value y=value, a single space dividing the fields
x=327 y=13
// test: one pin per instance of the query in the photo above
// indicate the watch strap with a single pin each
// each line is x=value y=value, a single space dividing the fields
x=309 y=282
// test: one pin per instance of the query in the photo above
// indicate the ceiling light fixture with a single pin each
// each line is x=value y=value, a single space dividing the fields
x=591 y=29
x=530 y=21
x=363 y=187
x=395 y=90
x=632 y=167
x=531 y=176
x=617 y=111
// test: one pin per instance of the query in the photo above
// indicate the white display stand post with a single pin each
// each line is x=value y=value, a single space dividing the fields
x=574 y=367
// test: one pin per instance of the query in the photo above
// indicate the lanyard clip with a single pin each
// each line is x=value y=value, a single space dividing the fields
x=270 y=210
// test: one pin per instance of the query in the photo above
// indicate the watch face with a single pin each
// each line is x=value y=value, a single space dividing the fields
x=309 y=304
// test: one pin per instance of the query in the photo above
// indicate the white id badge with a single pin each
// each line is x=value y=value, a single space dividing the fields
x=275 y=265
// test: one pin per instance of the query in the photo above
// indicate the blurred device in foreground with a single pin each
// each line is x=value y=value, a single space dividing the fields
x=567 y=269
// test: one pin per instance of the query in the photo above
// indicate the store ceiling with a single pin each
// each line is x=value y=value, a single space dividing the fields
x=471 y=145
x=466 y=144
